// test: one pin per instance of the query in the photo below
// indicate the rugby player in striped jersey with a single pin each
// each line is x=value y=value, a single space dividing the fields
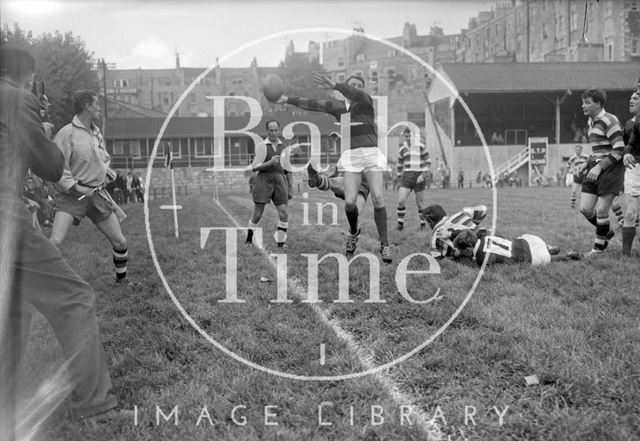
x=604 y=170
x=527 y=248
x=576 y=165
x=445 y=228
x=412 y=166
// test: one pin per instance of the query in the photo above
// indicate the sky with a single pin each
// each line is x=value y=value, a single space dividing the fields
x=148 y=34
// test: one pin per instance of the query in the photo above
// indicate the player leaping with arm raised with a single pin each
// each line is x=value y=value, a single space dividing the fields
x=361 y=156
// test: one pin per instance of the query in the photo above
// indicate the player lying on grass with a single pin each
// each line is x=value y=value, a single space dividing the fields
x=446 y=227
x=527 y=248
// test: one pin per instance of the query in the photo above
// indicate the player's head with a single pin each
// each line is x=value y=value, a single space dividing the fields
x=465 y=239
x=273 y=128
x=17 y=66
x=578 y=150
x=433 y=214
x=355 y=81
x=86 y=102
x=593 y=101
x=634 y=103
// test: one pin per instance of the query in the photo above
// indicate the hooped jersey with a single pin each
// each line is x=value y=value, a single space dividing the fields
x=444 y=232
x=498 y=249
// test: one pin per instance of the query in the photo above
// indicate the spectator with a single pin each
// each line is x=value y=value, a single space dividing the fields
x=33 y=270
x=460 y=178
x=136 y=187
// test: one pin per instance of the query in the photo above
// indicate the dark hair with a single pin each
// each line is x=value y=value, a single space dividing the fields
x=16 y=63
x=357 y=77
x=596 y=95
x=433 y=214
x=465 y=239
x=266 y=125
x=81 y=98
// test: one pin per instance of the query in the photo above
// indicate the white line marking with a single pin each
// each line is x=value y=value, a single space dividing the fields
x=322 y=356
x=364 y=355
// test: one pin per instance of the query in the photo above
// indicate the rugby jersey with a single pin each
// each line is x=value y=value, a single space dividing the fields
x=632 y=137
x=364 y=132
x=498 y=249
x=575 y=162
x=605 y=136
x=412 y=158
x=270 y=152
x=441 y=238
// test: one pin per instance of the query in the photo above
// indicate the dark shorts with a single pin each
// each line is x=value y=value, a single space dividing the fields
x=270 y=186
x=578 y=179
x=409 y=180
x=95 y=207
x=610 y=181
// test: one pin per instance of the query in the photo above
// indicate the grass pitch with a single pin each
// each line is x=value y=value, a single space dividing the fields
x=576 y=325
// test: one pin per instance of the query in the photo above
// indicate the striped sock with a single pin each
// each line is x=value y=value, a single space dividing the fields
x=592 y=220
x=120 y=258
x=401 y=211
x=573 y=202
x=423 y=221
x=617 y=210
x=602 y=229
x=281 y=233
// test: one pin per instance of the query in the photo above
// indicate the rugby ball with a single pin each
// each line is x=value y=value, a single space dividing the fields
x=273 y=87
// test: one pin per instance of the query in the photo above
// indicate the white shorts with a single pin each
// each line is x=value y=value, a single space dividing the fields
x=362 y=160
x=539 y=252
x=632 y=181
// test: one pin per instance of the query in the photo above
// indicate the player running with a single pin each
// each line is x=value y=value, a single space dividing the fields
x=631 y=160
x=576 y=164
x=362 y=159
x=413 y=161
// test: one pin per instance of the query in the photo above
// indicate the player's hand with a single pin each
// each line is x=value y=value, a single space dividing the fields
x=594 y=173
x=629 y=160
x=323 y=81
x=282 y=100
x=420 y=179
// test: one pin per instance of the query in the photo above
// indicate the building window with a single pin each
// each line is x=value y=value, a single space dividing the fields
x=202 y=146
x=417 y=118
x=340 y=61
x=174 y=145
x=391 y=53
x=120 y=83
x=608 y=51
x=340 y=78
x=358 y=73
x=608 y=8
x=118 y=148
x=134 y=148
x=635 y=5
x=360 y=57
x=635 y=43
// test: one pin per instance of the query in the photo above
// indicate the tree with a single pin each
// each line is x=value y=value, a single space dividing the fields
x=62 y=62
x=297 y=73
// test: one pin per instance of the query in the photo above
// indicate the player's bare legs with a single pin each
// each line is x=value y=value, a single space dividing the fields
x=630 y=223
x=421 y=202
x=403 y=195
x=351 y=185
x=61 y=223
x=258 y=209
x=283 y=224
x=110 y=227
x=596 y=210
x=375 y=180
